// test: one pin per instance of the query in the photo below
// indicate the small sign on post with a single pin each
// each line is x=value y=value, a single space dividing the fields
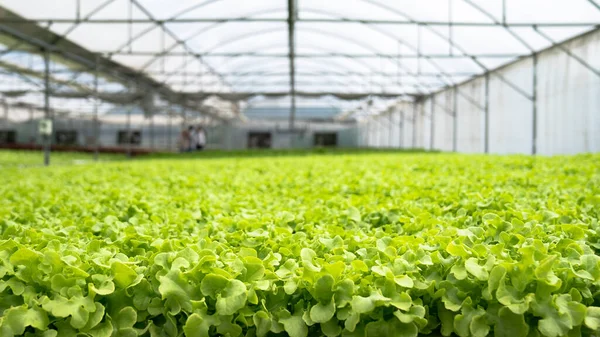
x=45 y=127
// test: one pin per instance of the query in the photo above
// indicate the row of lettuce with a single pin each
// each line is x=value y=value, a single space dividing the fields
x=239 y=263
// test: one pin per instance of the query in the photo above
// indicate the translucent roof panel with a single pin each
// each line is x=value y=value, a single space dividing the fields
x=347 y=47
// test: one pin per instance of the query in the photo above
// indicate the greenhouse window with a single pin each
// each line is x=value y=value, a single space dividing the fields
x=65 y=137
x=259 y=140
x=8 y=136
x=133 y=137
x=328 y=139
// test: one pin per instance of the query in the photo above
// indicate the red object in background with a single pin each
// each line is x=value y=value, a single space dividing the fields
x=87 y=149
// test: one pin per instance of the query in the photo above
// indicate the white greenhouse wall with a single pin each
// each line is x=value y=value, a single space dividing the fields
x=568 y=108
x=470 y=117
x=511 y=113
x=443 y=122
x=569 y=99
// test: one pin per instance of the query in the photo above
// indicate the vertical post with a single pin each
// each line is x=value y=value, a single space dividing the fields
x=33 y=128
x=130 y=26
x=5 y=104
x=368 y=135
x=432 y=131
x=380 y=133
x=96 y=103
x=163 y=47
x=487 y=114
x=399 y=64
x=47 y=138
x=152 y=130
x=292 y=13
x=534 y=102
x=455 y=120
x=129 y=138
x=450 y=28
x=183 y=125
x=391 y=131
x=414 y=135
x=361 y=135
x=358 y=135
x=401 y=128
x=419 y=49
x=170 y=129
x=504 y=12
x=78 y=10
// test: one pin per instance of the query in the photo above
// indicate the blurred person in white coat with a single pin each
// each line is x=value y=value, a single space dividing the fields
x=200 y=138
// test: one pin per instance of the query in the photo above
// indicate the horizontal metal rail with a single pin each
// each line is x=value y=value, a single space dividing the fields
x=318 y=55
x=307 y=20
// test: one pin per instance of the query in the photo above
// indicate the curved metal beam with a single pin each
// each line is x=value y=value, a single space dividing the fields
x=442 y=72
x=342 y=69
x=491 y=17
x=262 y=12
x=347 y=39
x=174 y=36
x=442 y=36
x=373 y=27
x=271 y=46
x=316 y=63
x=139 y=35
x=68 y=31
x=267 y=73
x=391 y=36
x=193 y=8
x=365 y=77
x=313 y=30
x=300 y=75
x=200 y=32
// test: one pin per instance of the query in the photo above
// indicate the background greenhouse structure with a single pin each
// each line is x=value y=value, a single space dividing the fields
x=472 y=76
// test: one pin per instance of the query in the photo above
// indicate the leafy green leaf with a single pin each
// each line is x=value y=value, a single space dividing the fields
x=321 y=313
x=510 y=324
x=232 y=298
x=294 y=326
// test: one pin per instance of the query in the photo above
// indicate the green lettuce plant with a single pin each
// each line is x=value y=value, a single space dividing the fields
x=334 y=245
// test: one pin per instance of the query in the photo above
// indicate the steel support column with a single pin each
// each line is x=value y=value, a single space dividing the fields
x=380 y=133
x=401 y=130
x=534 y=103
x=47 y=138
x=32 y=126
x=151 y=127
x=96 y=104
x=432 y=130
x=170 y=129
x=486 y=139
x=414 y=135
x=455 y=120
x=391 y=130
x=5 y=104
x=292 y=16
x=128 y=125
x=368 y=134
x=183 y=127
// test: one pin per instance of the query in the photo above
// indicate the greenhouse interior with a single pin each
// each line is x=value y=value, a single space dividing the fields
x=356 y=168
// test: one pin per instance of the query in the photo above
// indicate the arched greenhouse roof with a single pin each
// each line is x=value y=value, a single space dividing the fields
x=234 y=51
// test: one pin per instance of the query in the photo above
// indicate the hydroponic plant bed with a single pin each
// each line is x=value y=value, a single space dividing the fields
x=352 y=245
